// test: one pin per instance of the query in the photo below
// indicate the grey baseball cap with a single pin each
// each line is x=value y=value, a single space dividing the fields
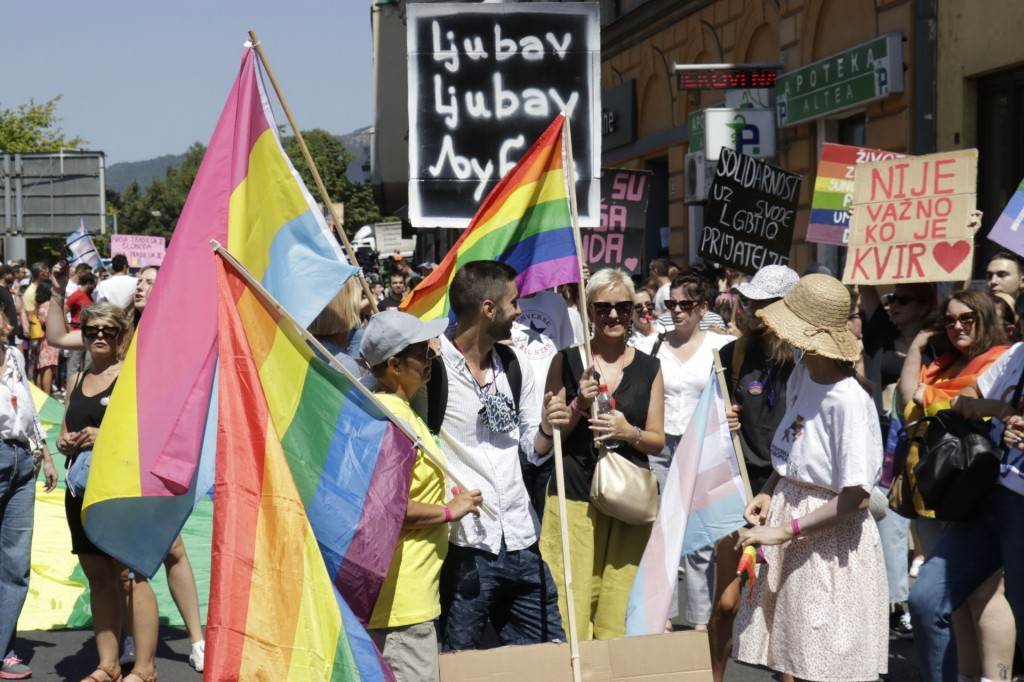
x=771 y=281
x=390 y=332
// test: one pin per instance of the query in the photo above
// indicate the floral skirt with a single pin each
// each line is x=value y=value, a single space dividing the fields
x=820 y=608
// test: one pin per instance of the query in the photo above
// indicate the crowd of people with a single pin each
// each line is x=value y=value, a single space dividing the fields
x=831 y=392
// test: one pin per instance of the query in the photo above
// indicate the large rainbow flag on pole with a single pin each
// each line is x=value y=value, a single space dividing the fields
x=703 y=501
x=525 y=222
x=146 y=472
x=311 y=490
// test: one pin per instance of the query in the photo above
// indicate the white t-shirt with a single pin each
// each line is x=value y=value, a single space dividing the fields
x=577 y=327
x=829 y=436
x=540 y=332
x=118 y=289
x=664 y=316
x=684 y=381
x=998 y=382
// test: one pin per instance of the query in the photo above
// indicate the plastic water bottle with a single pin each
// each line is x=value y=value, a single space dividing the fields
x=606 y=403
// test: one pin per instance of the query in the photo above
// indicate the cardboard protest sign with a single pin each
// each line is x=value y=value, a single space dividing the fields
x=750 y=213
x=140 y=250
x=619 y=241
x=909 y=220
x=833 y=190
x=485 y=80
x=1006 y=232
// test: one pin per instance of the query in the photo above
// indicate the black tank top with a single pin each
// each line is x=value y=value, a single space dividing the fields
x=84 y=410
x=632 y=398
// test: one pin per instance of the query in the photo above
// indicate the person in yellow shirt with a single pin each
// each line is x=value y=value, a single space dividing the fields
x=396 y=347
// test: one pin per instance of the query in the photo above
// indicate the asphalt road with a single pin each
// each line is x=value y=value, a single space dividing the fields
x=70 y=655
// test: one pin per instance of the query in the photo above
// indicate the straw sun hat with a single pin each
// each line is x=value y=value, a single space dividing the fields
x=813 y=316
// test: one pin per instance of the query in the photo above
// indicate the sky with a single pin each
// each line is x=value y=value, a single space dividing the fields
x=141 y=79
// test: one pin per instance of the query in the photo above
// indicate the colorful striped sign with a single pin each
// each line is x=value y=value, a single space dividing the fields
x=147 y=471
x=312 y=485
x=524 y=222
x=833 y=190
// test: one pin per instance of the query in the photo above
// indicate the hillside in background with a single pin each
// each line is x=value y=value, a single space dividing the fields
x=120 y=175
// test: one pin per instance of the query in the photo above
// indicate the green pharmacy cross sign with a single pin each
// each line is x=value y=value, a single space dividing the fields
x=862 y=74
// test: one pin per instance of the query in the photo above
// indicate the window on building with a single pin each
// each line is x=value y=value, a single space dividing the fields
x=1000 y=148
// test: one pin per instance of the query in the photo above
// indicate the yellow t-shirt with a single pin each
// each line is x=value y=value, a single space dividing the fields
x=410 y=591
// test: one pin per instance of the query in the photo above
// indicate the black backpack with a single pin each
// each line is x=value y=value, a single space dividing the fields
x=437 y=387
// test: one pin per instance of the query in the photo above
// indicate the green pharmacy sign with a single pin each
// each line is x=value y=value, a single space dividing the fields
x=862 y=74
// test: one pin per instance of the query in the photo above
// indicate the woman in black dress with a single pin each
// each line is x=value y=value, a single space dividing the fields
x=106 y=332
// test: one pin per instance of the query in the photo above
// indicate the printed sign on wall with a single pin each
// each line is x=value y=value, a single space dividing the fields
x=485 y=80
x=750 y=213
x=1006 y=232
x=909 y=220
x=619 y=241
x=833 y=190
x=139 y=249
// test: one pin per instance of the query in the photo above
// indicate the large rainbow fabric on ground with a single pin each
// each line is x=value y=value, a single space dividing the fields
x=147 y=472
x=312 y=485
x=524 y=222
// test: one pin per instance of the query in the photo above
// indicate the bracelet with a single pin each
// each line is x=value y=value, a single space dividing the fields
x=577 y=409
x=447 y=514
x=794 y=525
x=547 y=436
x=639 y=435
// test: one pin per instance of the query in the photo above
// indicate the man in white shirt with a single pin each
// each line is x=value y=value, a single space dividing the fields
x=119 y=288
x=494 y=569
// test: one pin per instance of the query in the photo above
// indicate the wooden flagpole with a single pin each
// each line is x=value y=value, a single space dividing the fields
x=737 y=446
x=339 y=230
x=367 y=393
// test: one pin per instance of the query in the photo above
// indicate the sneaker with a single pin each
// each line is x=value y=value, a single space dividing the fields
x=899 y=625
x=915 y=566
x=128 y=651
x=13 y=668
x=198 y=655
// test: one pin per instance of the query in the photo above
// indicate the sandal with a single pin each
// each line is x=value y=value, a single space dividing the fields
x=110 y=676
x=140 y=678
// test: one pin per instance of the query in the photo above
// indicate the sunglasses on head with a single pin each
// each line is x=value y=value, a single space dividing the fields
x=902 y=300
x=684 y=306
x=94 y=332
x=639 y=308
x=966 y=320
x=622 y=308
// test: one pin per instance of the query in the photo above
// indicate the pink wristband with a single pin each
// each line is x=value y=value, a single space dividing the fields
x=794 y=525
x=447 y=514
x=576 y=408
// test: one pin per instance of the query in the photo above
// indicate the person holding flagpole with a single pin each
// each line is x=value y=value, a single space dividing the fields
x=819 y=610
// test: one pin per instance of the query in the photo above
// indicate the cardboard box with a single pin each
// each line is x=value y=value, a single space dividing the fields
x=675 y=657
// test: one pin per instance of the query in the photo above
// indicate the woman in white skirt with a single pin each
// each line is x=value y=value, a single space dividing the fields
x=820 y=608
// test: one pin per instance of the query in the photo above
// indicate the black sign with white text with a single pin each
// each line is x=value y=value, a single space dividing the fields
x=485 y=80
x=749 y=214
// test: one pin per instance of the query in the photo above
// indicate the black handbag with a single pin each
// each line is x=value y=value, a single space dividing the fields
x=958 y=466
x=959 y=463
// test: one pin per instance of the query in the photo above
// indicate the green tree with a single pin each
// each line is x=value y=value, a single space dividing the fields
x=34 y=128
x=156 y=210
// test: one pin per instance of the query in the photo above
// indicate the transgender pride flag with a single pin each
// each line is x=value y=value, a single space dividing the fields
x=703 y=501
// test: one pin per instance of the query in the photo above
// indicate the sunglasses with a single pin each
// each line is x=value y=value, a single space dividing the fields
x=902 y=300
x=966 y=320
x=90 y=332
x=684 y=306
x=750 y=304
x=419 y=351
x=639 y=308
x=622 y=308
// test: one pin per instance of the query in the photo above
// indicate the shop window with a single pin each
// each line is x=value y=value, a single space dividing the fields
x=1000 y=149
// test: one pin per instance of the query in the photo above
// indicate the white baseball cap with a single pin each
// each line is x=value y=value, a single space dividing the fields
x=771 y=281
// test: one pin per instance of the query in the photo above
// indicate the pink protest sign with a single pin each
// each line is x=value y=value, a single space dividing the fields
x=140 y=249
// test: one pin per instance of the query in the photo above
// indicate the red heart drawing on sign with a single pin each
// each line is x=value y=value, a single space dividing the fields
x=950 y=255
x=631 y=264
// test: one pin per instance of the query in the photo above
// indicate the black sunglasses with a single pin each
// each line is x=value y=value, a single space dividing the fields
x=622 y=308
x=902 y=300
x=684 y=306
x=90 y=332
x=966 y=320
x=639 y=308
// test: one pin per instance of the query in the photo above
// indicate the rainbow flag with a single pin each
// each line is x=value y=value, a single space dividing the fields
x=146 y=472
x=311 y=489
x=703 y=501
x=524 y=222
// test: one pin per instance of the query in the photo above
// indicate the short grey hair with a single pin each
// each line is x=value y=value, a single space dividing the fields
x=609 y=278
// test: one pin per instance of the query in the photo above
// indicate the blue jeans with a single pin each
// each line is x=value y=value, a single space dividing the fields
x=17 y=498
x=894 y=529
x=513 y=589
x=966 y=556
